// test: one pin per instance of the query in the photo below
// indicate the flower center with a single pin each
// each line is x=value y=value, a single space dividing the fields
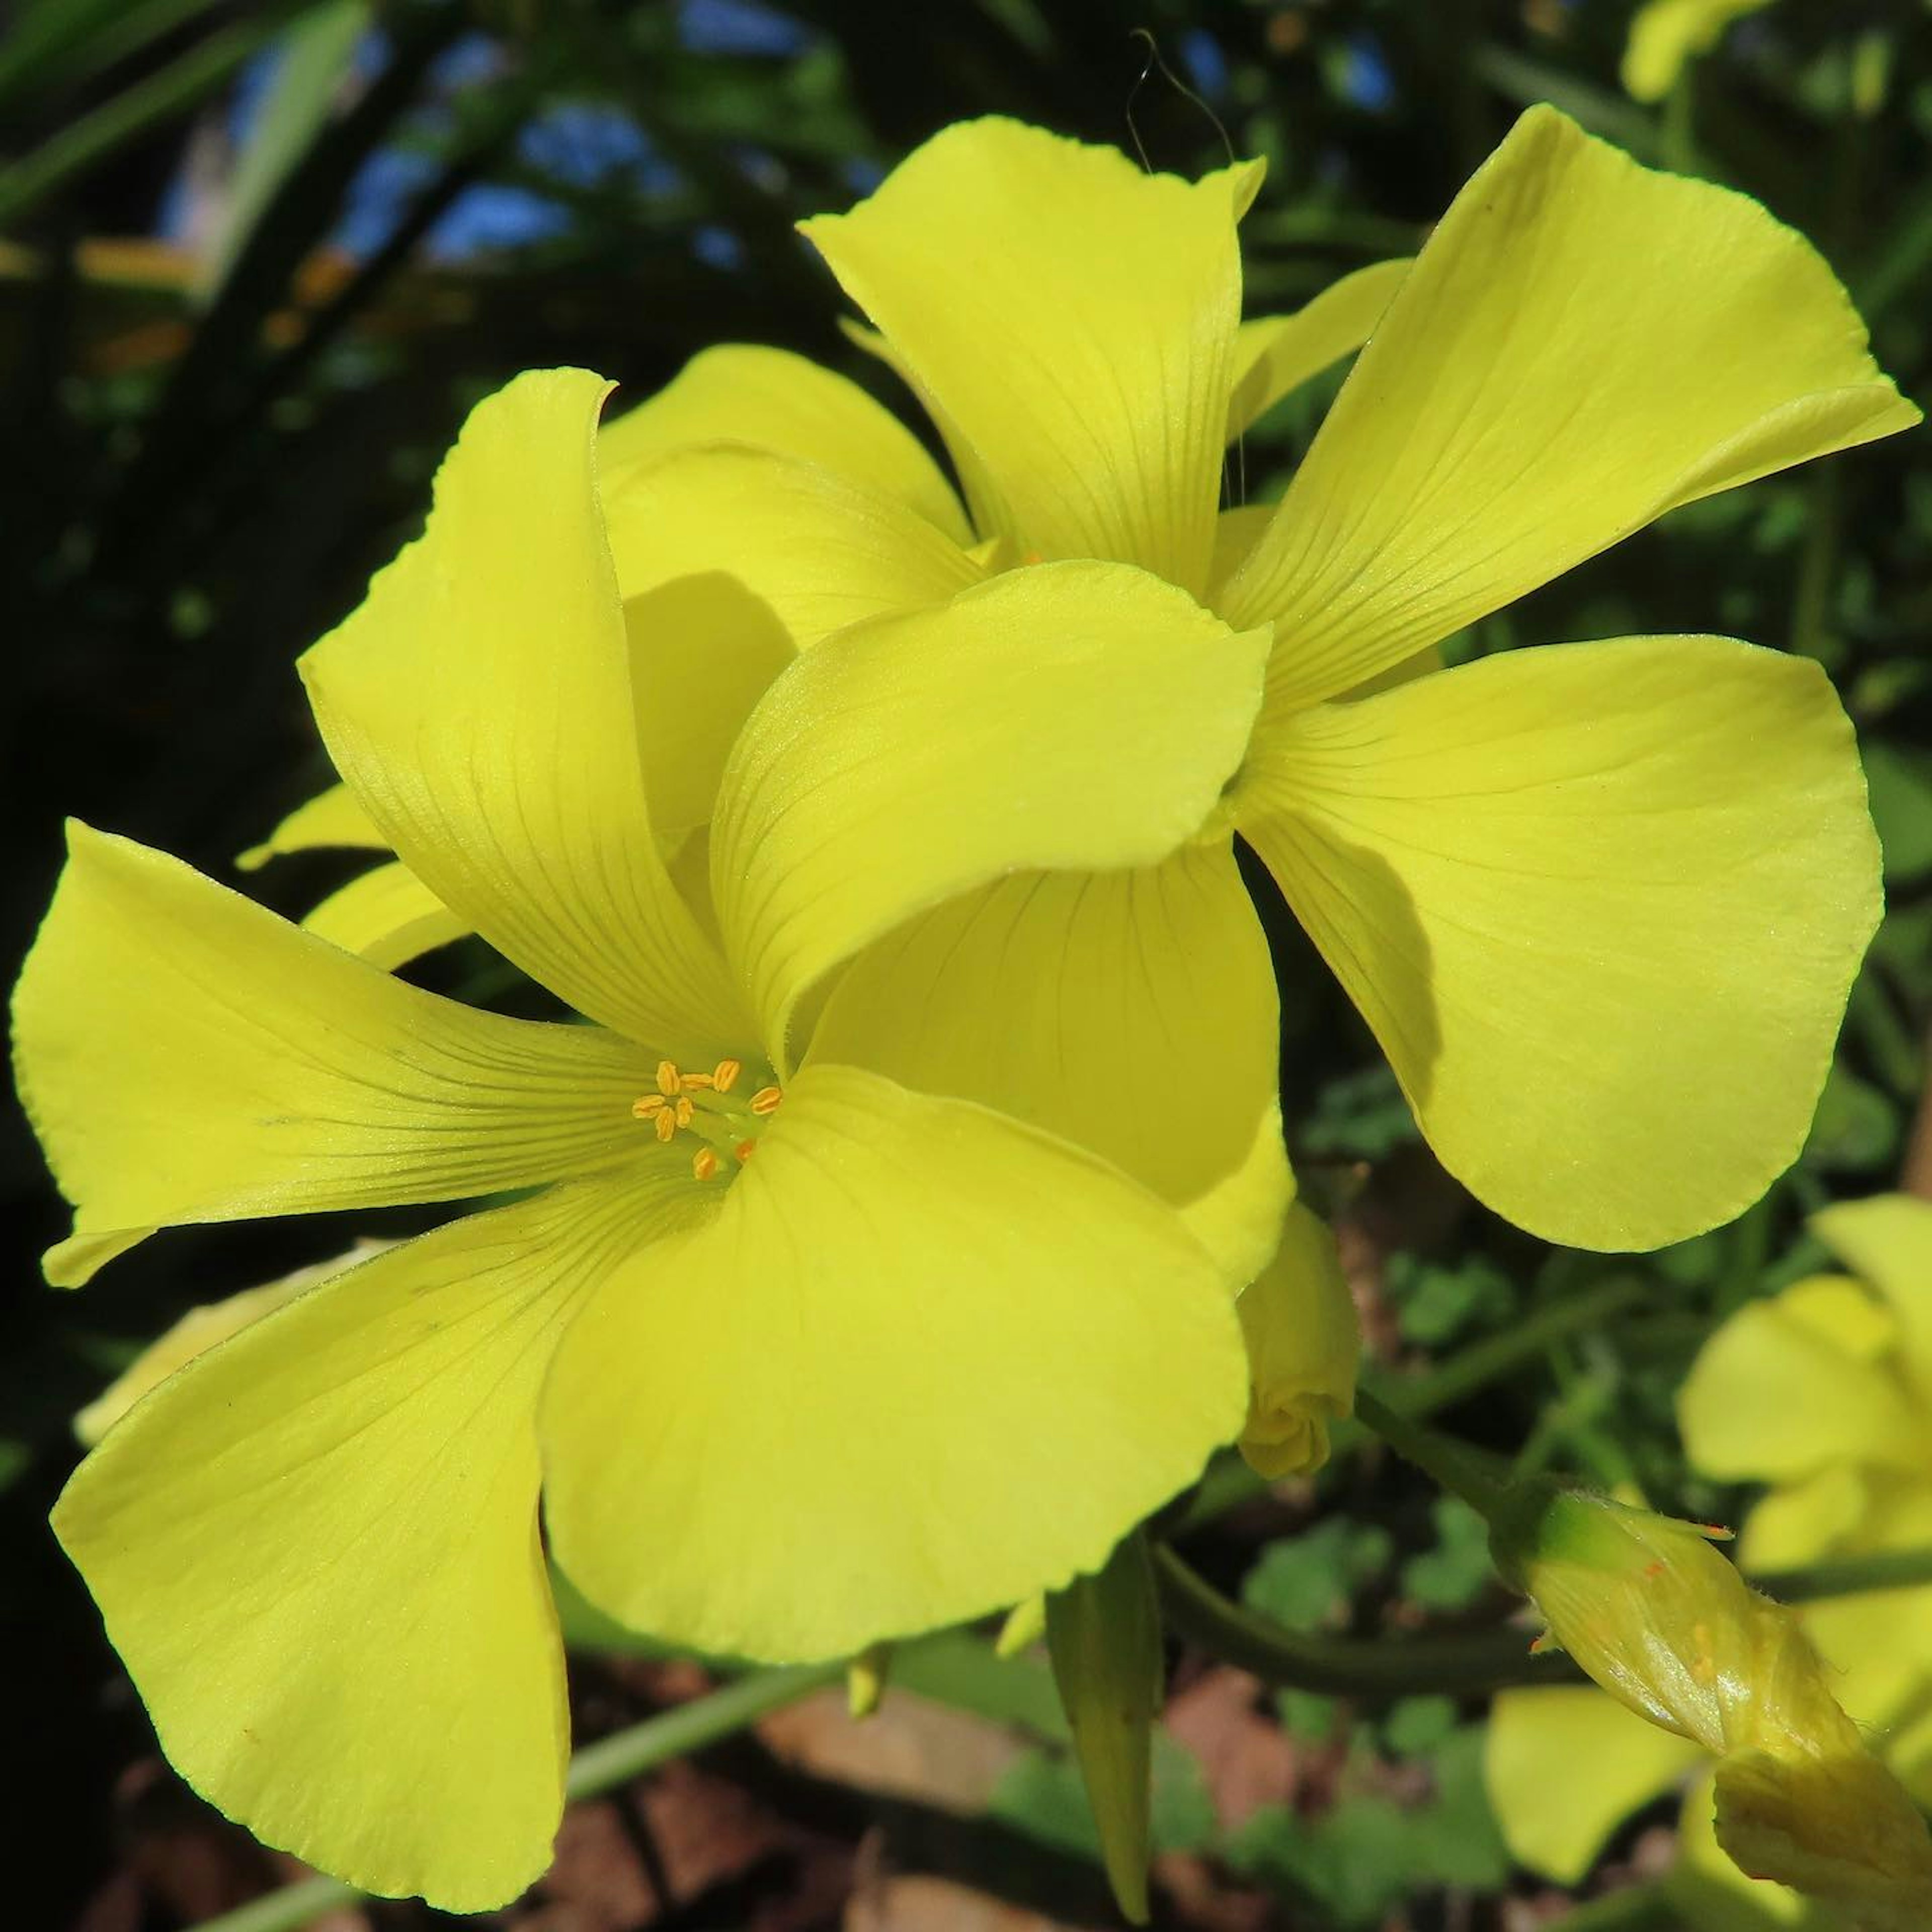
x=704 y=1105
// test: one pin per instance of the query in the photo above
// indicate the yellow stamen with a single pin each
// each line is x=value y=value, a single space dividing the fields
x=685 y=1110
x=651 y=1103
x=704 y=1163
x=695 y=1083
x=743 y=1149
x=724 y=1075
x=667 y=1123
x=668 y=1080
x=766 y=1099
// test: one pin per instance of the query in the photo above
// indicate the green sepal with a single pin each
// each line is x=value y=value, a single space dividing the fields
x=1103 y=1633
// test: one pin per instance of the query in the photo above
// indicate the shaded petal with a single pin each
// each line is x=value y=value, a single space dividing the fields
x=331 y=818
x=770 y=399
x=1801 y=1520
x=197 y=1331
x=185 y=1055
x=1769 y=1398
x=1583 y=345
x=1071 y=716
x=1552 y=881
x=1304 y=1343
x=316 y=1550
x=730 y=562
x=388 y=916
x=1274 y=354
x=479 y=704
x=1565 y=1766
x=1708 y=1889
x=1887 y=1241
x=1131 y=1012
x=926 y=1362
x=1069 y=321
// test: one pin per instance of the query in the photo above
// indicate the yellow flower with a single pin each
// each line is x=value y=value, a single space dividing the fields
x=1657 y=1618
x=1546 y=878
x=1667 y=35
x=800 y=1356
x=1824 y=1393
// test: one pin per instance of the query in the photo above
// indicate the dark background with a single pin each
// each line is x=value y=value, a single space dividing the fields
x=235 y=338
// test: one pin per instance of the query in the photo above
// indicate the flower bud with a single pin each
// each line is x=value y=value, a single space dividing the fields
x=1666 y=1624
x=1303 y=1338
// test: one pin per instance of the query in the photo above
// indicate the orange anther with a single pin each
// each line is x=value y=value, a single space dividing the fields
x=651 y=1103
x=686 y=1113
x=704 y=1163
x=766 y=1099
x=695 y=1083
x=743 y=1149
x=724 y=1075
x=667 y=1079
x=667 y=1123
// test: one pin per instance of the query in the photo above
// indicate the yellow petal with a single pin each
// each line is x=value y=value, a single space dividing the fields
x=387 y=915
x=1583 y=345
x=1712 y=1895
x=1069 y=320
x=770 y=399
x=186 y=1056
x=1132 y=1012
x=197 y=1331
x=1551 y=879
x=1844 y=1312
x=1794 y=1521
x=1666 y=35
x=1304 y=1340
x=1274 y=354
x=1075 y=716
x=730 y=561
x=332 y=817
x=1565 y=1766
x=1768 y=1399
x=925 y=1363
x=1887 y=1240
x=479 y=704
x=316 y=1550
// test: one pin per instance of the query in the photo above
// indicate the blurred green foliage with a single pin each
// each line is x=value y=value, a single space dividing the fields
x=213 y=441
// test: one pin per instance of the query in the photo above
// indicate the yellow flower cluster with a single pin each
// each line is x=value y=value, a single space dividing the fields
x=911 y=1216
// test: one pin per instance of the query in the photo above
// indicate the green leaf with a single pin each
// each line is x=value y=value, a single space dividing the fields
x=1856 y=1129
x=1437 y=1302
x=1453 y=1574
x=1307 y=1582
x=1899 y=783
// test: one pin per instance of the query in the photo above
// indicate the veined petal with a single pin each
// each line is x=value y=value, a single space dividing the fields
x=770 y=399
x=1565 y=1766
x=332 y=817
x=185 y=1055
x=1070 y=321
x=1887 y=1241
x=1582 y=346
x=479 y=704
x=1769 y=1398
x=1553 y=881
x=1132 y=1012
x=1274 y=354
x=926 y=1362
x=315 y=1549
x=732 y=561
x=1070 y=716
x=387 y=915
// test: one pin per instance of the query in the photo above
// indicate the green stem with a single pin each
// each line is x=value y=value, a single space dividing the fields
x=1847 y=1576
x=1336 y=1666
x=1450 y=1464
x=595 y=1769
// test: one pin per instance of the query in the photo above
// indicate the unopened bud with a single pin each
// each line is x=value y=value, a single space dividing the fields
x=1303 y=1341
x=1666 y=1624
